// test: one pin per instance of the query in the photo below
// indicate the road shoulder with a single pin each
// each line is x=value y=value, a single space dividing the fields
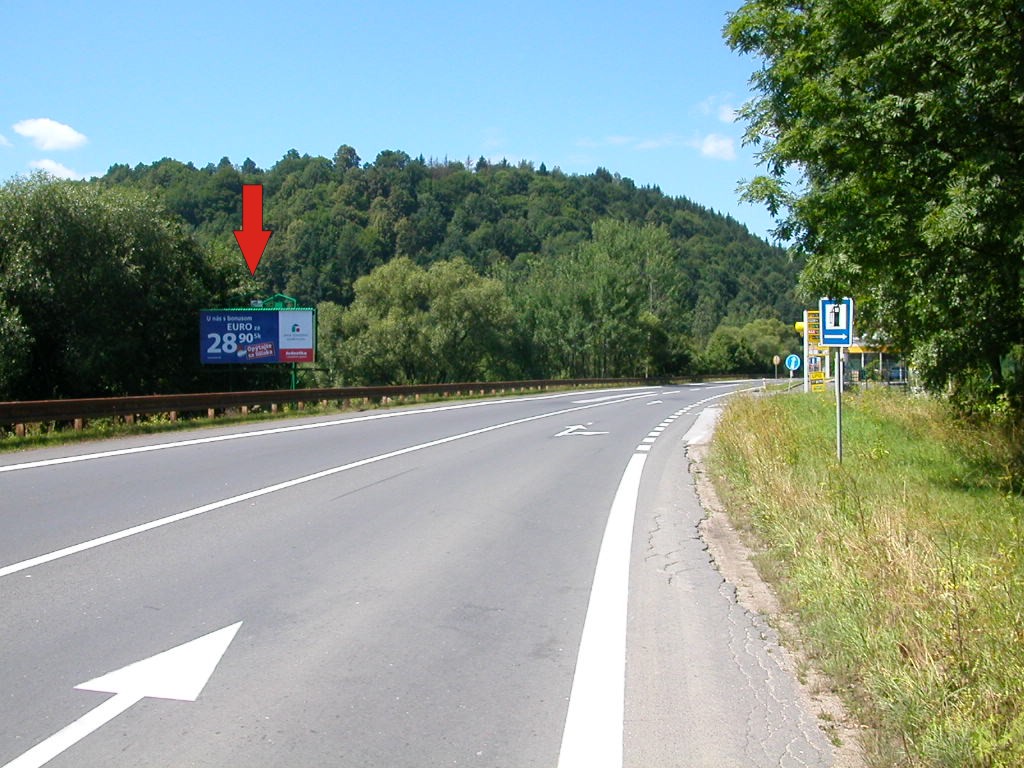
x=733 y=559
x=707 y=683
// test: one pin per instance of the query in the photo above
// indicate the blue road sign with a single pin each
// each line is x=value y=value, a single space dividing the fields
x=836 y=322
x=793 y=362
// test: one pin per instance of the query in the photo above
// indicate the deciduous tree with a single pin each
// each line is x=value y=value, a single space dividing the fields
x=892 y=137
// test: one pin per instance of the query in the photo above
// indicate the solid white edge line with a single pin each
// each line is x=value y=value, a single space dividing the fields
x=161 y=522
x=594 y=722
x=593 y=737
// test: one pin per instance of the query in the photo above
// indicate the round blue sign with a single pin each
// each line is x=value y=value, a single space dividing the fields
x=793 y=362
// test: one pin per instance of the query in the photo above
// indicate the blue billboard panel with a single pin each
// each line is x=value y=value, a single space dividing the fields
x=243 y=336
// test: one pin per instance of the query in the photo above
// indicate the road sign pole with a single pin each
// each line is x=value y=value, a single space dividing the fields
x=807 y=359
x=839 y=404
x=837 y=331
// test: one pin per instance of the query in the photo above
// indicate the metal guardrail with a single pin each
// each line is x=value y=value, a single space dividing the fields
x=77 y=411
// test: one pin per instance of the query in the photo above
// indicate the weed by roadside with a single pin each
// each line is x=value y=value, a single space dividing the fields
x=905 y=564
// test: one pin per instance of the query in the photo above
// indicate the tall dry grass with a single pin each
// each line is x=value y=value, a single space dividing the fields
x=905 y=565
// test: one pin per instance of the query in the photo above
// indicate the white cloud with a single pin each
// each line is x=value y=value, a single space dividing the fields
x=720 y=106
x=4 y=142
x=716 y=146
x=56 y=169
x=48 y=134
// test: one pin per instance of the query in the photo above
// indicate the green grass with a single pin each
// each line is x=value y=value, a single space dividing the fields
x=904 y=565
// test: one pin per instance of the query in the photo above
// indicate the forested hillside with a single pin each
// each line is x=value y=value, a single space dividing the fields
x=422 y=270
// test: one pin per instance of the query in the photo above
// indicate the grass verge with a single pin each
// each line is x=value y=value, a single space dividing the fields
x=904 y=565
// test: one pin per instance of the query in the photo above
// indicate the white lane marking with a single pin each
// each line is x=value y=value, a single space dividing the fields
x=594 y=723
x=592 y=737
x=180 y=673
x=608 y=397
x=294 y=428
x=656 y=402
x=161 y=522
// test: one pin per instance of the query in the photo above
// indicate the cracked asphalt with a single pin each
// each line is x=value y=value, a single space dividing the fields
x=707 y=681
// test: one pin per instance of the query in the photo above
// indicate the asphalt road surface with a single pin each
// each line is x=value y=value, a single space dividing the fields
x=513 y=582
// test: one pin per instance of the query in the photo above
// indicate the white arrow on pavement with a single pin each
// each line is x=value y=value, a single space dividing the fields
x=179 y=673
x=578 y=429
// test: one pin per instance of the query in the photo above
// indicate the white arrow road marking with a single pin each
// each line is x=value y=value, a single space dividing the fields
x=180 y=673
x=579 y=429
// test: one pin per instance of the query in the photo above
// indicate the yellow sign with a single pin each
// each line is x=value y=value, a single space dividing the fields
x=813 y=327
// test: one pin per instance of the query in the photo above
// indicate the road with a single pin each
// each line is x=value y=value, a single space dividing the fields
x=461 y=584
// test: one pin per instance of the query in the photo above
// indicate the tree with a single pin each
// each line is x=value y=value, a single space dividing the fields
x=749 y=348
x=338 y=219
x=609 y=308
x=409 y=324
x=893 y=143
x=99 y=290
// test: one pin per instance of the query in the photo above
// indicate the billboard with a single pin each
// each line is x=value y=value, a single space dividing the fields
x=249 y=336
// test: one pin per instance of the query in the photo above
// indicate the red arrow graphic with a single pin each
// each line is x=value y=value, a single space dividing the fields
x=252 y=237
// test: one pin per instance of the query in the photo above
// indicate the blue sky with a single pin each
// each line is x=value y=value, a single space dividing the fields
x=644 y=89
